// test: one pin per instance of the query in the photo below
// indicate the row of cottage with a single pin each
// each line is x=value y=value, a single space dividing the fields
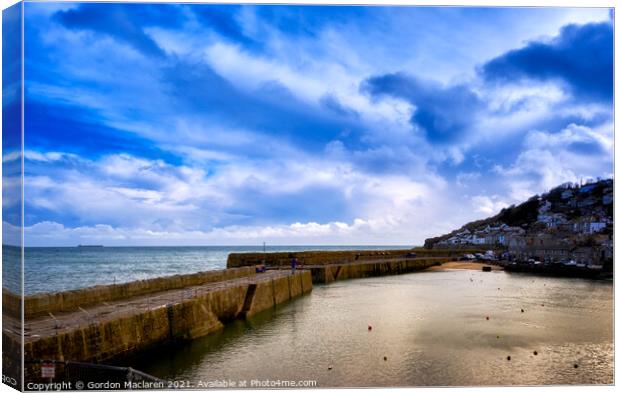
x=556 y=234
x=545 y=246
x=504 y=235
x=550 y=245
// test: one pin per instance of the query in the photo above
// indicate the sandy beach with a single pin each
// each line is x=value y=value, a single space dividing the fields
x=463 y=265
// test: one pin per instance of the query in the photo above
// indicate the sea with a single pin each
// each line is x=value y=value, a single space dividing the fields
x=55 y=269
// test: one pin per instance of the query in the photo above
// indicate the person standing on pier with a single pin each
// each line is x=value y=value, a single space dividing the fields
x=293 y=263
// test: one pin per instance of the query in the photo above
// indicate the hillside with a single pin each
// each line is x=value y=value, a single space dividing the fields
x=571 y=214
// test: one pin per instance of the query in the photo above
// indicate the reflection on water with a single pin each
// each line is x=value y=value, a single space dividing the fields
x=431 y=327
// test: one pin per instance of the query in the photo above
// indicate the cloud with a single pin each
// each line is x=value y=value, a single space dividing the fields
x=78 y=129
x=123 y=22
x=576 y=138
x=335 y=124
x=224 y=20
x=54 y=233
x=270 y=109
x=488 y=205
x=444 y=113
x=581 y=57
x=549 y=159
x=141 y=196
x=308 y=20
x=330 y=102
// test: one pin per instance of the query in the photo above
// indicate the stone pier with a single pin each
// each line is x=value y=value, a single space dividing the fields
x=325 y=274
x=104 y=330
x=312 y=258
x=328 y=266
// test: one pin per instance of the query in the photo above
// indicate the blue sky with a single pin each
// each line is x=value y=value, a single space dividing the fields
x=202 y=124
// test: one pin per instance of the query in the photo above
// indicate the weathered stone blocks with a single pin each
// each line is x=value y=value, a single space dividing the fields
x=42 y=304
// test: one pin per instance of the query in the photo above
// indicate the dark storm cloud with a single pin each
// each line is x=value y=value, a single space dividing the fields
x=123 y=22
x=443 y=112
x=581 y=57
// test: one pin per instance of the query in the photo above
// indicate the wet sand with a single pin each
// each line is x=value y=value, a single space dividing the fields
x=463 y=265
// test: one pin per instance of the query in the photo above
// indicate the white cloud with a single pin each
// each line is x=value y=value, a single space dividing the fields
x=550 y=159
x=489 y=205
x=11 y=156
x=386 y=230
x=601 y=137
x=138 y=200
x=49 y=156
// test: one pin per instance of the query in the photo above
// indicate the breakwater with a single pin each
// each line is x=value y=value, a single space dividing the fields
x=42 y=304
x=325 y=274
x=337 y=257
x=111 y=330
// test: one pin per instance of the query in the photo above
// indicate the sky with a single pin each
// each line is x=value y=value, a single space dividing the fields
x=303 y=125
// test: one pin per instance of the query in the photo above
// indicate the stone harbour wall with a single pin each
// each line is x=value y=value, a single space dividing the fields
x=185 y=320
x=327 y=274
x=334 y=257
x=42 y=304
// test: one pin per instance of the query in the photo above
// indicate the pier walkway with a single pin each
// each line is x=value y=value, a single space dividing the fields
x=107 y=330
x=65 y=321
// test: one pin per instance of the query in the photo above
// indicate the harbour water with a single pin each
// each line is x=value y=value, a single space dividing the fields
x=428 y=329
x=53 y=269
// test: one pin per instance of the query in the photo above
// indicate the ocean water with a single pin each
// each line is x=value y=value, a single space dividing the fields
x=428 y=329
x=53 y=269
